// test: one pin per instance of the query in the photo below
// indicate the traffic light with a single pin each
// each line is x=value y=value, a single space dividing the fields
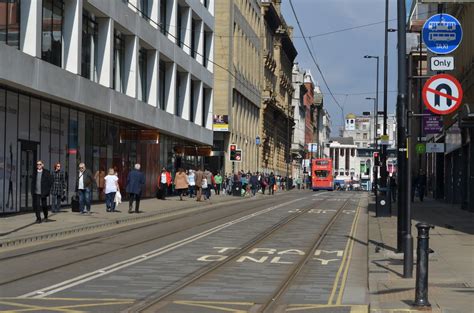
x=376 y=159
x=232 y=152
x=238 y=155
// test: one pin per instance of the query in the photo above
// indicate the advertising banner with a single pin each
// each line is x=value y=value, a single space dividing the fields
x=220 y=123
x=432 y=124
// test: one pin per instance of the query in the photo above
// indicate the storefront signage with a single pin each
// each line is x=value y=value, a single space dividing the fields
x=220 y=123
x=434 y=147
x=432 y=124
x=420 y=148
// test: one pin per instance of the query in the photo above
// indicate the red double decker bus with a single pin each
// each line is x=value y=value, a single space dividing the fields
x=321 y=174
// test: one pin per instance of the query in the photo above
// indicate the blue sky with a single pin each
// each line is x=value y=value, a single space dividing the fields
x=340 y=55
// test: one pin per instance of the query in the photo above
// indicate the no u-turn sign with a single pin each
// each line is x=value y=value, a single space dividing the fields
x=442 y=94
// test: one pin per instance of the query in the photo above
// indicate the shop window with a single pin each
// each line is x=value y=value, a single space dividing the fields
x=52 y=31
x=10 y=22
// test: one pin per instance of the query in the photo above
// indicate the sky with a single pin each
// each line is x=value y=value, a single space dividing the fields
x=350 y=77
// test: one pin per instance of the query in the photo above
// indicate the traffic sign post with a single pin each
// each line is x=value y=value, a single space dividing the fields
x=442 y=33
x=442 y=94
x=442 y=63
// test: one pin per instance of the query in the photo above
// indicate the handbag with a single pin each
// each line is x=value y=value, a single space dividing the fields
x=118 y=197
x=75 y=203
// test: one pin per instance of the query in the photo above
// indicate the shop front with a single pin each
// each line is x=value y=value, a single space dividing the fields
x=34 y=128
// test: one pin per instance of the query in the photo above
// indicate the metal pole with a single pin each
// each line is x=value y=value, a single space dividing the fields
x=288 y=149
x=403 y=160
x=383 y=153
x=422 y=252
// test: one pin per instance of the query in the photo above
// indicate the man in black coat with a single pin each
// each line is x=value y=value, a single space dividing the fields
x=40 y=188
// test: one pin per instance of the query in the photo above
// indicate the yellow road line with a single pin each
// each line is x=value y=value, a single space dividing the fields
x=213 y=305
x=349 y=259
x=344 y=256
x=34 y=308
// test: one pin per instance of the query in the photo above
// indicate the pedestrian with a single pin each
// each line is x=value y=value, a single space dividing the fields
x=253 y=182
x=84 y=184
x=393 y=187
x=58 y=189
x=164 y=181
x=263 y=183
x=41 y=183
x=99 y=181
x=199 y=176
x=272 y=184
x=418 y=185
x=135 y=183
x=181 y=183
x=210 y=184
x=298 y=183
x=111 y=188
x=192 y=183
x=218 y=180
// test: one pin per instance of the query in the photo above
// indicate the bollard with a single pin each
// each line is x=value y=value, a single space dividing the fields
x=423 y=251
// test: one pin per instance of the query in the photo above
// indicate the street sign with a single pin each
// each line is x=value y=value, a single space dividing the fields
x=420 y=148
x=442 y=63
x=442 y=94
x=384 y=140
x=433 y=147
x=442 y=33
x=257 y=140
x=312 y=147
x=238 y=155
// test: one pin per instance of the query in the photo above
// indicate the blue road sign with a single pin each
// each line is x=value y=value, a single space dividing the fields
x=442 y=33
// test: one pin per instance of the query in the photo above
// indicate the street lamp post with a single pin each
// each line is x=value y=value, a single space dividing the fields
x=257 y=142
x=375 y=172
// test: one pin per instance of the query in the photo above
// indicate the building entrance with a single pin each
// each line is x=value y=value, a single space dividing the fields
x=28 y=157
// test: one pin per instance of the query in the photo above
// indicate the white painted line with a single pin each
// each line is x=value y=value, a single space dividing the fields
x=44 y=292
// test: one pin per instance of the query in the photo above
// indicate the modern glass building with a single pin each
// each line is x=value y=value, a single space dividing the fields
x=107 y=83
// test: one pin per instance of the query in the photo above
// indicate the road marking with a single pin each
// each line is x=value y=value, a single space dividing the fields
x=41 y=293
x=214 y=305
x=361 y=308
x=349 y=259
x=344 y=257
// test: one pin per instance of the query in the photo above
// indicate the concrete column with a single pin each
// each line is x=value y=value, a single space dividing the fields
x=208 y=108
x=172 y=21
x=154 y=10
x=153 y=73
x=198 y=93
x=72 y=36
x=170 y=82
x=131 y=66
x=30 y=27
x=200 y=42
x=187 y=96
x=187 y=22
x=105 y=46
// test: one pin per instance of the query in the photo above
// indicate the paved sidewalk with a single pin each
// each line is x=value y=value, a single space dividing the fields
x=451 y=266
x=21 y=229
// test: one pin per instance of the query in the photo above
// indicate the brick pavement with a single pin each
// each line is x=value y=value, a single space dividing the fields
x=451 y=266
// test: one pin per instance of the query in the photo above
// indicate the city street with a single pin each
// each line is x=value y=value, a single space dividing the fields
x=295 y=251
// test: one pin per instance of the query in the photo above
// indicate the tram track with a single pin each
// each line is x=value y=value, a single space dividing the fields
x=148 y=304
x=262 y=203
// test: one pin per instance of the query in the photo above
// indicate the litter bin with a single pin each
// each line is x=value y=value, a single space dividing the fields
x=384 y=204
x=237 y=189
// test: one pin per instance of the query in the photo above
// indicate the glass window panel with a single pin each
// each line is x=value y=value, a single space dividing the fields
x=2 y=148
x=13 y=22
x=24 y=118
x=55 y=134
x=72 y=152
x=45 y=134
x=3 y=22
x=35 y=120
x=81 y=138
x=57 y=32
x=63 y=140
x=11 y=152
x=47 y=29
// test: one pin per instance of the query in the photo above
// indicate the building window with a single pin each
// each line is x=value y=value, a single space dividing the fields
x=179 y=31
x=364 y=136
x=10 y=22
x=193 y=38
x=89 y=46
x=178 y=95
x=205 y=50
x=163 y=20
x=192 y=102
x=142 y=66
x=51 y=45
x=206 y=3
x=119 y=60
x=144 y=9
x=162 y=82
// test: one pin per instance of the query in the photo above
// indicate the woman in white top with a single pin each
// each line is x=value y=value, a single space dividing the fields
x=111 y=187
x=192 y=183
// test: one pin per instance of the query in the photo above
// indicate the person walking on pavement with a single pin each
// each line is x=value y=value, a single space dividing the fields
x=192 y=183
x=58 y=189
x=135 y=183
x=393 y=187
x=218 y=180
x=419 y=184
x=40 y=189
x=272 y=184
x=181 y=183
x=111 y=188
x=84 y=184
x=254 y=184
x=199 y=176
x=163 y=183
x=209 y=178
